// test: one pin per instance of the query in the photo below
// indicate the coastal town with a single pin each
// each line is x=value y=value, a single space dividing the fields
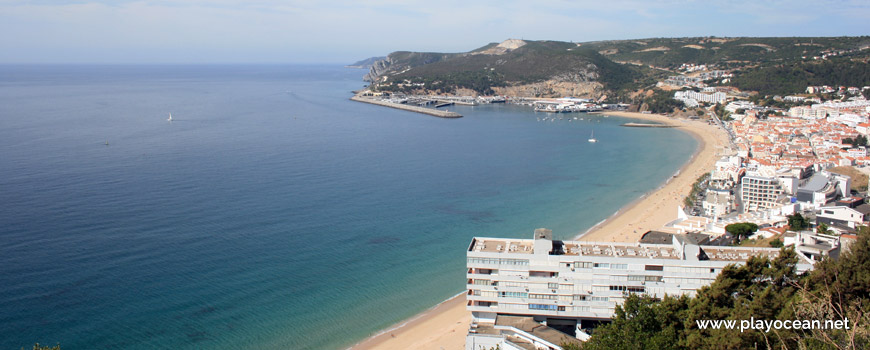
x=794 y=176
x=779 y=171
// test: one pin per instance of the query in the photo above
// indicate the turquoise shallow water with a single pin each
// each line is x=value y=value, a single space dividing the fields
x=272 y=212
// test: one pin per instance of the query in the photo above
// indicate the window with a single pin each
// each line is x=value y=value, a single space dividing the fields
x=653 y=279
x=598 y=299
x=542 y=296
x=482 y=282
x=579 y=297
x=619 y=266
x=553 y=285
x=602 y=265
x=583 y=265
x=654 y=267
x=495 y=261
x=632 y=289
x=513 y=284
x=514 y=294
x=543 y=307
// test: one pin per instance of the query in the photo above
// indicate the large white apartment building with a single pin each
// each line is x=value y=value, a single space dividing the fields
x=530 y=293
x=760 y=192
x=688 y=95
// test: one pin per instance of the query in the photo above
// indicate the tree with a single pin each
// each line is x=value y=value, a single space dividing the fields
x=861 y=140
x=823 y=229
x=797 y=222
x=643 y=322
x=741 y=230
x=836 y=290
x=761 y=289
x=776 y=243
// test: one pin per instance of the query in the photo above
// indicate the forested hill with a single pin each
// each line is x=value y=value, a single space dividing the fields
x=553 y=68
x=511 y=63
x=725 y=52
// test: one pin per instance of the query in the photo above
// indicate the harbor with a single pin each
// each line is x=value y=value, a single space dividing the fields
x=411 y=108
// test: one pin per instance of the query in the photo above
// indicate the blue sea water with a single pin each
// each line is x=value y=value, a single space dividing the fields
x=273 y=212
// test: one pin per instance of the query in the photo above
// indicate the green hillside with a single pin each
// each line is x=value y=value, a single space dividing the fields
x=795 y=77
x=625 y=67
x=727 y=52
x=534 y=62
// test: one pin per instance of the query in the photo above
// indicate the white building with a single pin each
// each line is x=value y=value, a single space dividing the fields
x=717 y=203
x=736 y=105
x=570 y=286
x=716 y=97
x=823 y=187
x=840 y=216
x=760 y=192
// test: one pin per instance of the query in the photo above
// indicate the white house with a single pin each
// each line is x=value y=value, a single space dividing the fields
x=840 y=216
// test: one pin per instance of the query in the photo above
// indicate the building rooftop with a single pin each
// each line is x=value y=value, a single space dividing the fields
x=620 y=250
x=528 y=325
x=816 y=183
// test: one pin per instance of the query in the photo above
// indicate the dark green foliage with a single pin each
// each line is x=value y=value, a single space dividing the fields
x=662 y=102
x=643 y=322
x=823 y=229
x=797 y=222
x=726 y=53
x=570 y=346
x=795 y=77
x=776 y=243
x=534 y=62
x=778 y=65
x=697 y=187
x=760 y=289
x=850 y=275
x=741 y=230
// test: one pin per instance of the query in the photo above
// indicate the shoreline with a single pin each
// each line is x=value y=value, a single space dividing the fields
x=444 y=326
x=658 y=206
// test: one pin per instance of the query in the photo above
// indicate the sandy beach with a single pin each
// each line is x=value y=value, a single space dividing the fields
x=444 y=327
x=660 y=207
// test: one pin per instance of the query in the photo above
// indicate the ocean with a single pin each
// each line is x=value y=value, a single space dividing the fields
x=272 y=212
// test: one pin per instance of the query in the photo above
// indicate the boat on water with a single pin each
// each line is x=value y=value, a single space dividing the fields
x=170 y=118
x=592 y=138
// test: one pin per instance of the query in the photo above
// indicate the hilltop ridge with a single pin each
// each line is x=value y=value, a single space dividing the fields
x=542 y=68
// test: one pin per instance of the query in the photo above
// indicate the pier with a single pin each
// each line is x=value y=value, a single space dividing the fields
x=429 y=111
x=648 y=125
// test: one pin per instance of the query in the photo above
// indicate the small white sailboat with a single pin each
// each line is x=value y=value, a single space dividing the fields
x=592 y=137
x=170 y=118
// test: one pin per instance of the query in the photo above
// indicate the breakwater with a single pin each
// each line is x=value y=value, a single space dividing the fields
x=429 y=111
x=648 y=125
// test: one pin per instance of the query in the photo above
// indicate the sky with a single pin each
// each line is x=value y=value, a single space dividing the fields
x=344 y=31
